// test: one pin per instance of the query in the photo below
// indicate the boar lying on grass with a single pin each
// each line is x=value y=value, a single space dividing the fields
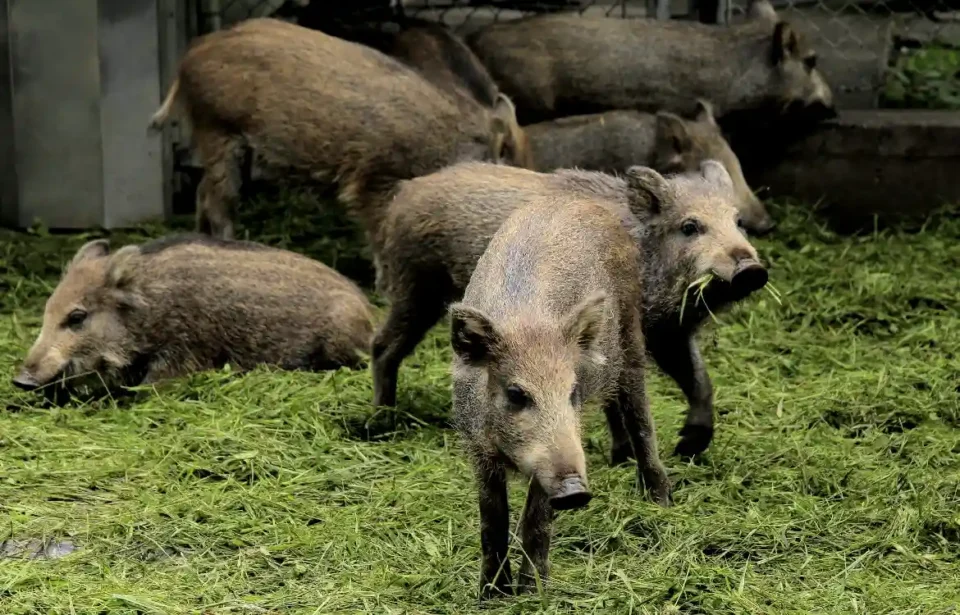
x=318 y=107
x=550 y=319
x=186 y=303
x=616 y=140
x=563 y=64
x=438 y=226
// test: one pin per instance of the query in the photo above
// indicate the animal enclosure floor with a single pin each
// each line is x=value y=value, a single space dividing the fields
x=832 y=486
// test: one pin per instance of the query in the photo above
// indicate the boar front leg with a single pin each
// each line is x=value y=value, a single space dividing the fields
x=535 y=532
x=635 y=411
x=219 y=190
x=495 y=576
x=683 y=363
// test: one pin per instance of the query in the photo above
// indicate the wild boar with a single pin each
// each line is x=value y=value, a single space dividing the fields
x=186 y=303
x=551 y=318
x=439 y=225
x=554 y=65
x=613 y=141
x=317 y=107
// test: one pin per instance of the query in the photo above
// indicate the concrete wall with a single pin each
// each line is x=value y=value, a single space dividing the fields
x=83 y=81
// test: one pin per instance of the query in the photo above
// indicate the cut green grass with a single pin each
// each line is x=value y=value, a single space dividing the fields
x=832 y=485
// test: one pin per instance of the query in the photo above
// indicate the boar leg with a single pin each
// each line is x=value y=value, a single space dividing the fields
x=683 y=363
x=495 y=577
x=407 y=323
x=635 y=410
x=219 y=189
x=535 y=531
x=621 y=450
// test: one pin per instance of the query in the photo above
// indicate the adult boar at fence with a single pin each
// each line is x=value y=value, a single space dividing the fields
x=616 y=140
x=563 y=64
x=191 y=302
x=551 y=318
x=438 y=226
x=321 y=108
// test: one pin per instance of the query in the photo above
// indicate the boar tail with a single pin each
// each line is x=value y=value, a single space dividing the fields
x=163 y=113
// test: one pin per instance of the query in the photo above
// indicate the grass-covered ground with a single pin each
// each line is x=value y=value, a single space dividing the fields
x=833 y=484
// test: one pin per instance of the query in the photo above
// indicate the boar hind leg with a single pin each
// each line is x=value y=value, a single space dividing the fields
x=635 y=411
x=407 y=323
x=219 y=190
x=683 y=363
x=535 y=531
x=621 y=449
x=495 y=577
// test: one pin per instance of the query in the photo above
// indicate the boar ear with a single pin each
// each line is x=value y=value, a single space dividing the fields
x=786 y=43
x=584 y=324
x=672 y=131
x=647 y=191
x=474 y=338
x=703 y=112
x=122 y=265
x=716 y=173
x=761 y=10
x=91 y=249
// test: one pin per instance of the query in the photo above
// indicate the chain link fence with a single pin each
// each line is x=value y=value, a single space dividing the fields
x=874 y=52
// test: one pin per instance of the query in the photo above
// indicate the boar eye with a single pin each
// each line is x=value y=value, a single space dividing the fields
x=517 y=397
x=75 y=319
x=810 y=62
x=690 y=228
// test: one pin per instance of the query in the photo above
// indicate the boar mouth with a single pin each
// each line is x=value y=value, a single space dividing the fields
x=749 y=277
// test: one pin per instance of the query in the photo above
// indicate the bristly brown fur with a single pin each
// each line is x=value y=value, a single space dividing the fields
x=184 y=303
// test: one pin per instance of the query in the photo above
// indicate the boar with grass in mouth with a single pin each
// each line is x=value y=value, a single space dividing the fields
x=616 y=140
x=187 y=303
x=439 y=225
x=551 y=318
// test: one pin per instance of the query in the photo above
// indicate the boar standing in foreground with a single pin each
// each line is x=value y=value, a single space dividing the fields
x=189 y=303
x=439 y=225
x=321 y=108
x=551 y=318
x=563 y=64
x=612 y=142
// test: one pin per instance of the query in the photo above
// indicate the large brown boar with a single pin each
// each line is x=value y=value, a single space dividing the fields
x=613 y=141
x=563 y=64
x=438 y=226
x=317 y=107
x=551 y=318
x=187 y=303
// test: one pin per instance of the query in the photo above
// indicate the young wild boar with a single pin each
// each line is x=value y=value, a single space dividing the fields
x=550 y=319
x=438 y=226
x=188 y=303
x=321 y=108
x=616 y=140
x=562 y=64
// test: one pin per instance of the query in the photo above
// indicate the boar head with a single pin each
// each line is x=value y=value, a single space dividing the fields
x=85 y=335
x=529 y=394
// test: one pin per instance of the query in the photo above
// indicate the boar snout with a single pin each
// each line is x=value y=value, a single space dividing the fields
x=571 y=493
x=25 y=380
x=749 y=276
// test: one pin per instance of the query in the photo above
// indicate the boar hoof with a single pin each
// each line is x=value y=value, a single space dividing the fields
x=749 y=277
x=694 y=439
x=571 y=494
x=498 y=589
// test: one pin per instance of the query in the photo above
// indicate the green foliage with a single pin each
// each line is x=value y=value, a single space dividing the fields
x=833 y=484
x=924 y=78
